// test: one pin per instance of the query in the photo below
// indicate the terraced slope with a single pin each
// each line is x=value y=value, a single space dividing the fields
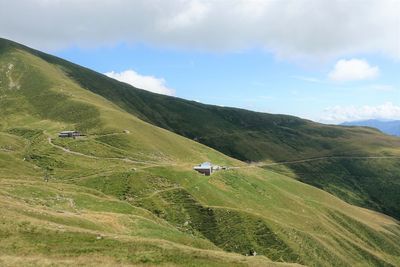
x=126 y=194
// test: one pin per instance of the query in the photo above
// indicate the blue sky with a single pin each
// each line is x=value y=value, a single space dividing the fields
x=329 y=61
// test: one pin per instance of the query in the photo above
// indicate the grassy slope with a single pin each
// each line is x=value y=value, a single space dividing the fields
x=253 y=136
x=242 y=134
x=354 y=180
x=153 y=208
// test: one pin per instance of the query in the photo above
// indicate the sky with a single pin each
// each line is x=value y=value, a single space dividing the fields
x=326 y=60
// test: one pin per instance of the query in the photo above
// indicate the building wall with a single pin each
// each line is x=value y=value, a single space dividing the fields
x=206 y=172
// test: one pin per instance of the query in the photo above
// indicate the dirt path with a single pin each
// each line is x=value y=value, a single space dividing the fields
x=155 y=164
x=323 y=158
x=66 y=150
x=159 y=192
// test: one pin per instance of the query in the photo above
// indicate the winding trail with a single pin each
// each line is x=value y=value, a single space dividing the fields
x=127 y=160
x=263 y=164
x=260 y=164
x=322 y=158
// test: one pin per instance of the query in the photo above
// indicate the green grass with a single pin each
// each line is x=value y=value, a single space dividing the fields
x=271 y=217
x=99 y=209
x=354 y=180
x=242 y=134
x=75 y=245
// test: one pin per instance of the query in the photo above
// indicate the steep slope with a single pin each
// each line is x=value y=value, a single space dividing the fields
x=252 y=136
x=126 y=194
x=372 y=183
x=242 y=134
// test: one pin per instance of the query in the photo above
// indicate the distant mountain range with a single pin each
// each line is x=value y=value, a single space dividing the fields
x=388 y=127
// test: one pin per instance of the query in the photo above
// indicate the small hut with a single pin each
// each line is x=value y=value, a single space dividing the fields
x=65 y=134
x=205 y=168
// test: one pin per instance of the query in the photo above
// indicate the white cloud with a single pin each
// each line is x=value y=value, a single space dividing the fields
x=289 y=28
x=338 y=114
x=149 y=83
x=353 y=70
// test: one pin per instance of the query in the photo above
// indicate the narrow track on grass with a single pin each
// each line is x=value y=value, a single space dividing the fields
x=262 y=164
x=318 y=159
x=155 y=164
x=127 y=160
x=159 y=192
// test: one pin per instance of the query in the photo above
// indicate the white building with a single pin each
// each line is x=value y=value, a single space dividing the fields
x=64 y=134
x=205 y=168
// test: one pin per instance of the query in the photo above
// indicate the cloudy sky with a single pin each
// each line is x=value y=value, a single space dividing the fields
x=326 y=60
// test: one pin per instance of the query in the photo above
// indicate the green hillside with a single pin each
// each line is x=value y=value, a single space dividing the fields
x=126 y=194
x=252 y=136
x=372 y=183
